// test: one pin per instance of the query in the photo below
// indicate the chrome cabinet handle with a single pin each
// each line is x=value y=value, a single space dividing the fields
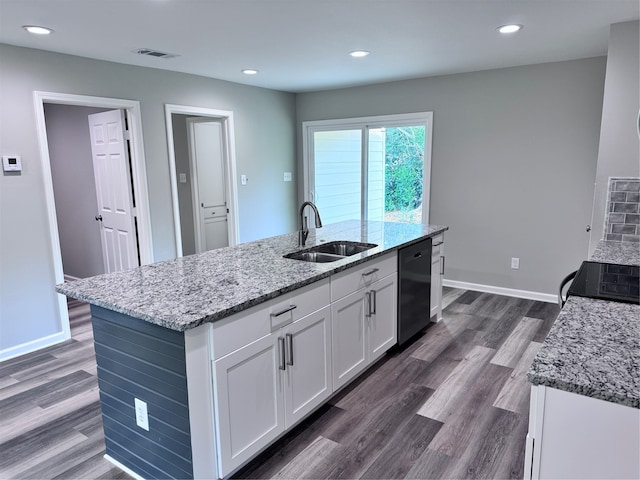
x=368 y=296
x=289 y=348
x=371 y=272
x=281 y=353
x=375 y=301
x=288 y=309
x=442 y=265
x=437 y=244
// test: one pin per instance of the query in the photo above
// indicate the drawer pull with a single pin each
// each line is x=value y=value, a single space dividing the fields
x=371 y=272
x=437 y=244
x=281 y=353
x=288 y=309
x=442 y=265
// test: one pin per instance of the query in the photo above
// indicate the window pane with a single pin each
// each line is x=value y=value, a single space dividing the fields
x=337 y=161
x=401 y=150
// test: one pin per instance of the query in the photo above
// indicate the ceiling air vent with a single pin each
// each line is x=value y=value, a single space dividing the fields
x=154 y=53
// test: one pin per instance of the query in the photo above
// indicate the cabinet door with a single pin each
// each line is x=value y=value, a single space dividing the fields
x=249 y=401
x=308 y=359
x=383 y=322
x=348 y=338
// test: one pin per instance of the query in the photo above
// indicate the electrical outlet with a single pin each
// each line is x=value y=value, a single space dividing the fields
x=287 y=176
x=515 y=263
x=183 y=178
x=142 y=416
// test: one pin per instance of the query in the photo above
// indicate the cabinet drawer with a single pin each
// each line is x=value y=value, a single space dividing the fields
x=436 y=245
x=240 y=329
x=243 y=328
x=292 y=306
x=348 y=281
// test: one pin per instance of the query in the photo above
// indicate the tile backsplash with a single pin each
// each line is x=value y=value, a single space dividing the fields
x=623 y=210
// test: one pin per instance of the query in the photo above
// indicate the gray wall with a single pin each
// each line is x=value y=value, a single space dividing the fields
x=513 y=164
x=265 y=138
x=74 y=188
x=183 y=165
x=619 y=154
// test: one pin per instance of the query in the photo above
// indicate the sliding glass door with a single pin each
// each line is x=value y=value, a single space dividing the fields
x=370 y=169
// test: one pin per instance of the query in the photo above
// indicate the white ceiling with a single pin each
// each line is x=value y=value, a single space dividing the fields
x=302 y=45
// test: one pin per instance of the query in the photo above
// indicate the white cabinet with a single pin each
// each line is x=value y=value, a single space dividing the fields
x=307 y=373
x=575 y=436
x=364 y=321
x=265 y=387
x=437 y=272
x=249 y=401
x=348 y=338
x=383 y=324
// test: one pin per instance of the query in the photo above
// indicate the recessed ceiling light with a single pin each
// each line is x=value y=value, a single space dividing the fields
x=510 y=28
x=359 y=53
x=250 y=71
x=37 y=30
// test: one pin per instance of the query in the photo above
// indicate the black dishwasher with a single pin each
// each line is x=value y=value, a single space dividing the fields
x=414 y=289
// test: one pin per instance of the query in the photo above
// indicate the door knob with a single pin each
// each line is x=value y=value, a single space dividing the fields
x=98 y=218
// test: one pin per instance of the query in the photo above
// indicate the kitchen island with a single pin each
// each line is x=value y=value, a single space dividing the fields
x=205 y=360
x=584 y=417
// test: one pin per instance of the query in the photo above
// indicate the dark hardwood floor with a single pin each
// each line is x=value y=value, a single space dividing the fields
x=453 y=404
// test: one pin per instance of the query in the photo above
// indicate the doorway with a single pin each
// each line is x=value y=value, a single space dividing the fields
x=137 y=180
x=203 y=178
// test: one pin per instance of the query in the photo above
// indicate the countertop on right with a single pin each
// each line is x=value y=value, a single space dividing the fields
x=593 y=348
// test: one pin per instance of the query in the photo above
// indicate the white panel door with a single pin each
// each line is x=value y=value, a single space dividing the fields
x=308 y=358
x=383 y=322
x=206 y=147
x=348 y=338
x=250 y=403
x=112 y=174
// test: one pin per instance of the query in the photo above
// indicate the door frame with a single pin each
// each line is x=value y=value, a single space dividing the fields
x=226 y=117
x=364 y=124
x=138 y=167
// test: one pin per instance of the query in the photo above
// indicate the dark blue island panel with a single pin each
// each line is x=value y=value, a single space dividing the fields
x=140 y=360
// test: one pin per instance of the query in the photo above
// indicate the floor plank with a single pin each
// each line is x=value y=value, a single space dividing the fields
x=51 y=427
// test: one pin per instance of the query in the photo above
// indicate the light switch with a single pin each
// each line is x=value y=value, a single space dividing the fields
x=243 y=179
x=11 y=163
x=287 y=176
x=183 y=178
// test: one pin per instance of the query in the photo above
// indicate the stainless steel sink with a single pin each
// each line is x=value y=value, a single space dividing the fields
x=345 y=249
x=316 y=257
x=330 y=252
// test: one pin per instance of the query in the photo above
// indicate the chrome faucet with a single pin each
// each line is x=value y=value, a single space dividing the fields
x=304 y=227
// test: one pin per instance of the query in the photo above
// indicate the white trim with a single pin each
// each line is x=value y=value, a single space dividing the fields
x=365 y=123
x=197 y=342
x=139 y=180
x=127 y=470
x=33 y=345
x=230 y=148
x=70 y=278
x=509 y=292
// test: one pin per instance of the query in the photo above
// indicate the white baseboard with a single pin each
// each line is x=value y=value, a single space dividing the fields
x=509 y=292
x=127 y=470
x=32 y=346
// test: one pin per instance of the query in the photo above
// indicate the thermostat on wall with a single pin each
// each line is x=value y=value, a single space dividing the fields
x=11 y=163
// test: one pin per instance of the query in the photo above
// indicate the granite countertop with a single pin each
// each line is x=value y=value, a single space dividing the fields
x=186 y=292
x=593 y=348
